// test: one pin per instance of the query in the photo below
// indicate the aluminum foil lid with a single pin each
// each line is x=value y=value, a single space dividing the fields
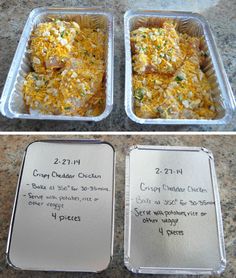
x=173 y=219
x=63 y=214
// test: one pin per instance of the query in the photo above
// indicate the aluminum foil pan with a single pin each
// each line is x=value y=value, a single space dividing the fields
x=12 y=103
x=194 y=25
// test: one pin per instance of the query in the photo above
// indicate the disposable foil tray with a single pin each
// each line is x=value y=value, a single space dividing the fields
x=192 y=24
x=12 y=103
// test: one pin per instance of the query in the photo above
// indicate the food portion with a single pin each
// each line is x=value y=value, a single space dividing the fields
x=69 y=70
x=168 y=81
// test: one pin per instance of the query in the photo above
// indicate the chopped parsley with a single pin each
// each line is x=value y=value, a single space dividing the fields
x=83 y=93
x=180 y=97
x=35 y=77
x=179 y=78
x=139 y=93
x=143 y=49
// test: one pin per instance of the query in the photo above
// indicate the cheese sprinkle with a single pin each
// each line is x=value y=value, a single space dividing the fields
x=168 y=81
x=68 y=70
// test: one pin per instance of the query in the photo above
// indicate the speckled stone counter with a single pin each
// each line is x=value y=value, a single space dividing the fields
x=220 y=14
x=223 y=148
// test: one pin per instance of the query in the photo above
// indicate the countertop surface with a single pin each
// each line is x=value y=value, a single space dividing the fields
x=221 y=17
x=223 y=148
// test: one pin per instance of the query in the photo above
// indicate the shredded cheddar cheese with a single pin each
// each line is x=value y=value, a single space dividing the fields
x=69 y=70
x=168 y=81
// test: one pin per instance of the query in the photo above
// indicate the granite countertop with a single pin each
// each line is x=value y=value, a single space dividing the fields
x=220 y=14
x=223 y=148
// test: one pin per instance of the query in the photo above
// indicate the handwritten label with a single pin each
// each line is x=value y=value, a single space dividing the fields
x=68 y=194
x=48 y=193
x=173 y=210
x=59 y=197
x=168 y=171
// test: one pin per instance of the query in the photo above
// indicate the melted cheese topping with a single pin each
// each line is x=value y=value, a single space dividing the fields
x=167 y=78
x=69 y=70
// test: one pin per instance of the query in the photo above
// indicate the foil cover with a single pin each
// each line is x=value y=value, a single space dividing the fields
x=63 y=216
x=173 y=219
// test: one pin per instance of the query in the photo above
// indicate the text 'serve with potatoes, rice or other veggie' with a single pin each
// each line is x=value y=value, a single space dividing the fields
x=68 y=70
x=168 y=80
